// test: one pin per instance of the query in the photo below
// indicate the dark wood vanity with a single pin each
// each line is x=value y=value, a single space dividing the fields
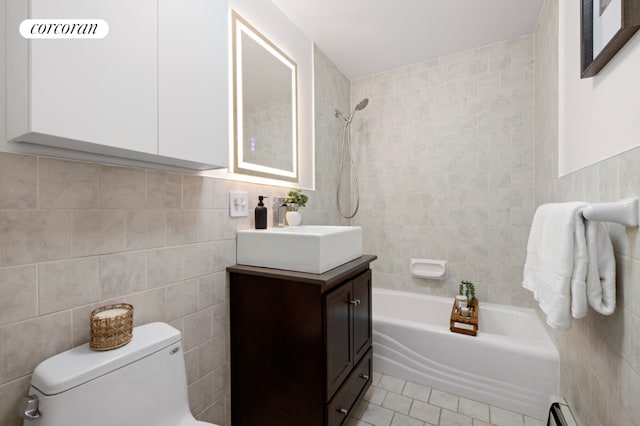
x=300 y=344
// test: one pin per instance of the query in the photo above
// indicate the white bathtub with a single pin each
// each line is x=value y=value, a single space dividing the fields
x=512 y=363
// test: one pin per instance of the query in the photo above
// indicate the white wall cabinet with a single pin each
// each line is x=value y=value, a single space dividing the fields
x=193 y=50
x=155 y=90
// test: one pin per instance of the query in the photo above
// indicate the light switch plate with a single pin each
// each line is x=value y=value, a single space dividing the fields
x=238 y=204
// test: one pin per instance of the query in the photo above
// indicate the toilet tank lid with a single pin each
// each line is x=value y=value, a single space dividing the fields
x=81 y=364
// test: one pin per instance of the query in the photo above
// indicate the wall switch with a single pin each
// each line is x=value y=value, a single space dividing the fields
x=238 y=204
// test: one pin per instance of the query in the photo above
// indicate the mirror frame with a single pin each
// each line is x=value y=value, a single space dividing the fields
x=239 y=26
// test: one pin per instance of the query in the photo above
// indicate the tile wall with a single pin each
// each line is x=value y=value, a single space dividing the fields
x=600 y=355
x=445 y=157
x=76 y=235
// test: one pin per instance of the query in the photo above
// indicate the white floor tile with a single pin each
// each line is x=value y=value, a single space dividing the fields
x=416 y=391
x=402 y=420
x=392 y=384
x=500 y=417
x=356 y=422
x=375 y=378
x=449 y=418
x=475 y=409
x=528 y=421
x=377 y=416
x=375 y=395
x=397 y=403
x=423 y=411
x=444 y=400
x=359 y=410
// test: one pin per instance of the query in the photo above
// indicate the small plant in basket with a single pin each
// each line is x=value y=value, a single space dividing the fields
x=468 y=289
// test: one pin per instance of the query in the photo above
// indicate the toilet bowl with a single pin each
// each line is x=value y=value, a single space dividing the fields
x=143 y=383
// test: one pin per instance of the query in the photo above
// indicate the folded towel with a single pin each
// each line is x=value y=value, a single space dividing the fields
x=569 y=262
x=601 y=272
x=556 y=266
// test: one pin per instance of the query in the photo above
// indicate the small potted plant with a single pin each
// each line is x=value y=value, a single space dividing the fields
x=295 y=200
x=464 y=315
x=468 y=289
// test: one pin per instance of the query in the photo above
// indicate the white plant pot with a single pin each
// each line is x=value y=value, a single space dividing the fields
x=293 y=218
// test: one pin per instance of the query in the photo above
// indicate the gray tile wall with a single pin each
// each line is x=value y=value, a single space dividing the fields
x=331 y=93
x=445 y=157
x=75 y=236
x=600 y=355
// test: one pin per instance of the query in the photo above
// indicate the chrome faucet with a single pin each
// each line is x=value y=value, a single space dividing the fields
x=279 y=210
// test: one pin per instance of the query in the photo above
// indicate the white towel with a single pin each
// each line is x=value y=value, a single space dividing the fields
x=569 y=263
x=556 y=266
x=601 y=272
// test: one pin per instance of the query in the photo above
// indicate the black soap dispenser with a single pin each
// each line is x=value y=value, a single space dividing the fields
x=261 y=214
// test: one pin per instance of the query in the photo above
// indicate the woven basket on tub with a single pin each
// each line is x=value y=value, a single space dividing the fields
x=111 y=326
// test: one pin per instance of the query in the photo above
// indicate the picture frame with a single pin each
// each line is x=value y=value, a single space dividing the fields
x=605 y=26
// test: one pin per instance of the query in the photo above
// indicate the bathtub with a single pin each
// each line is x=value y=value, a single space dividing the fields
x=512 y=363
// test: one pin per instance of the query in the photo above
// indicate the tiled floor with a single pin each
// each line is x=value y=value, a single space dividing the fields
x=395 y=402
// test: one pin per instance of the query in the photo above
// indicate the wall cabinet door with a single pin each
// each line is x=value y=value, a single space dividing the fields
x=154 y=90
x=101 y=91
x=193 y=80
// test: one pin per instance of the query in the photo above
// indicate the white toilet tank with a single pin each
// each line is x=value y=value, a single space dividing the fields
x=143 y=383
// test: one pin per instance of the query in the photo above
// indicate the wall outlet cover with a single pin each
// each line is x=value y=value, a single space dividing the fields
x=238 y=204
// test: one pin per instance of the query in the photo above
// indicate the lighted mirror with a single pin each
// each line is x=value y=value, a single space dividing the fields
x=265 y=106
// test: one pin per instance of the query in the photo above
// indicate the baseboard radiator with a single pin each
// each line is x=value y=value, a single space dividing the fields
x=560 y=415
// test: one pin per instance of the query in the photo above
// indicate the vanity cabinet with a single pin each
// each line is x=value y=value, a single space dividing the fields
x=300 y=344
x=154 y=90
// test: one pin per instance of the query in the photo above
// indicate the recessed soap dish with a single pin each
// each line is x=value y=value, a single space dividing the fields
x=429 y=269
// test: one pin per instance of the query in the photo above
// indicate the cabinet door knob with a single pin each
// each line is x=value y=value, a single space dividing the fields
x=343 y=411
x=354 y=302
x=364 y=376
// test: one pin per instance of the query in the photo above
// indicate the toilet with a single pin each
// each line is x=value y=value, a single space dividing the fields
x=143 y=383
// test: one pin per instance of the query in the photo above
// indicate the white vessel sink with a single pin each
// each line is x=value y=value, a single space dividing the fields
x=309 y=248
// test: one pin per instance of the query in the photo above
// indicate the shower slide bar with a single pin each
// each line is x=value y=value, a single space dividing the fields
x=624 y=212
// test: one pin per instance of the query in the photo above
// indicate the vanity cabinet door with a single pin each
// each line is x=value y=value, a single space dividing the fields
x=362 y=333
x=348 y=328
x=339 y=347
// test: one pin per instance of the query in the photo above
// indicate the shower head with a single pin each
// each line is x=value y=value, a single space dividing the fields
x=362 y=105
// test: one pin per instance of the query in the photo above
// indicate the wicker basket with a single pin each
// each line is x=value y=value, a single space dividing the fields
x=110 y=330
x=465 y=325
